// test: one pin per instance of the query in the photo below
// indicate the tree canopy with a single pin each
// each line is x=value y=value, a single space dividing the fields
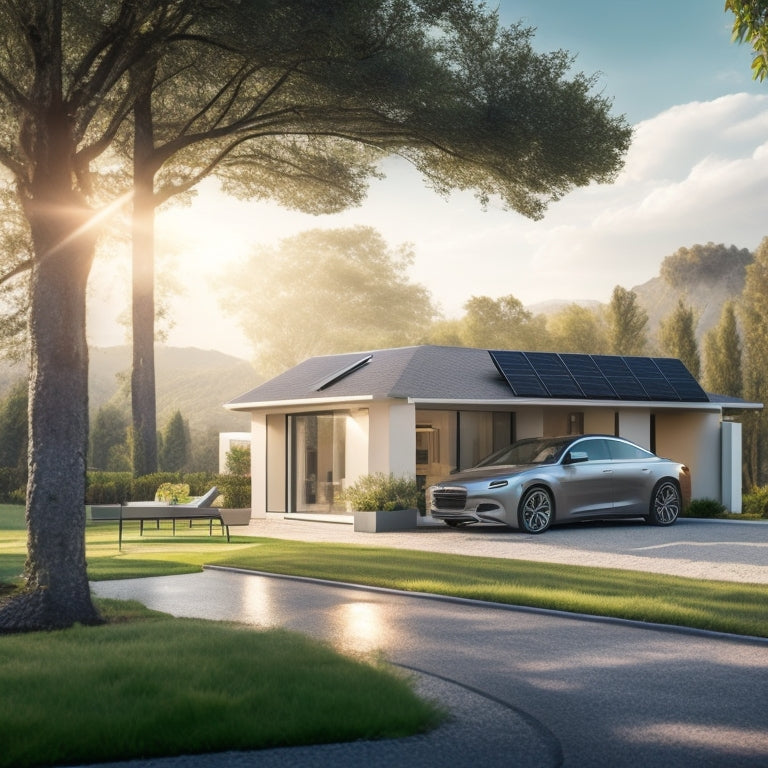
x=704 y=263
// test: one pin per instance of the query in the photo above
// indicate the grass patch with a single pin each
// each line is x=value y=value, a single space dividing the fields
x=147 y=685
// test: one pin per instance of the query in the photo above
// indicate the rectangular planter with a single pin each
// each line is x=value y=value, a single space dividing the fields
x=380 y=521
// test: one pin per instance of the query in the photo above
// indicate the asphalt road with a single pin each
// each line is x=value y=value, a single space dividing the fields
x=580 y=692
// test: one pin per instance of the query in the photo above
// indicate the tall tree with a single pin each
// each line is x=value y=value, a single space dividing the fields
x=175 y=444
x=627 y=323
x=330 y=86
x=502 y=323
x=329 y=291
x=109 y=439
x=578 y=329
x=677 y=337
x=753 y=312
x=63 y=97
x=296 y=101
x=722 y=355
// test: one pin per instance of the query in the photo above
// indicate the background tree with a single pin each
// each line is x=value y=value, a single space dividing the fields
x=502 y=323
x=627 y=323
x=722 y=355
x=578 y=329
x=753 y=312
x=13 y=429
x=361 y=77
x=238 y=460
x=175 y=449
x=750 y=25
x=109 y=440
x=704 y=263
x=329 y=291
x=677 y=338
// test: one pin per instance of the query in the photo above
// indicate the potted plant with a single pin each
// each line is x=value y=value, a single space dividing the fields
x=382 y=502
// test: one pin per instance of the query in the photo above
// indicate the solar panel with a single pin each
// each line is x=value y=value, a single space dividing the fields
x=517 y=370
x=580 y=376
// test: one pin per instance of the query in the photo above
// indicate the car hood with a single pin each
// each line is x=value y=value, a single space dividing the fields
x=478 y=473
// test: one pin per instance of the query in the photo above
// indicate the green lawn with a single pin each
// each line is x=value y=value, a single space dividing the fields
x=146 y=685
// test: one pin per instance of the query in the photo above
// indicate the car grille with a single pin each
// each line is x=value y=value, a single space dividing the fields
x=449 y=498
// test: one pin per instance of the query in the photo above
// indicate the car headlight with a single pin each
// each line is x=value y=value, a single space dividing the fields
x=498 y=483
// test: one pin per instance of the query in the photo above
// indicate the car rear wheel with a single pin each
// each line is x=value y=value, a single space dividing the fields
x=666 y=501
x=536 y=511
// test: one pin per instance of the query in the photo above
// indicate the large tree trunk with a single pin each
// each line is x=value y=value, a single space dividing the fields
x=143 y=402
x=57 y=593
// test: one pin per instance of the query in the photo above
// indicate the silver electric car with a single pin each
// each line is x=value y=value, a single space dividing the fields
x=538 y=482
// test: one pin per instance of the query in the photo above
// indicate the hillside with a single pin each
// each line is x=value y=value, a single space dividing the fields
x=706 y=294
x=196 y=382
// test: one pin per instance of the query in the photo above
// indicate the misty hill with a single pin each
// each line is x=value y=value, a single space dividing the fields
x=705 y=277
x=194 y=381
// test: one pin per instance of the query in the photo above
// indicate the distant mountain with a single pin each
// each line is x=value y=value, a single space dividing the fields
x=197 y=382
x=705 y=294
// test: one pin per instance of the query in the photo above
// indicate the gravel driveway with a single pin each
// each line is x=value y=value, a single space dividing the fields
x=705 y=549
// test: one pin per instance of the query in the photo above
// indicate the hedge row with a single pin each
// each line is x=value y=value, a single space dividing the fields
x=119 y=487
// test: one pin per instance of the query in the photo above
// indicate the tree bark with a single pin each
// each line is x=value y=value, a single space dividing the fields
x=57 y=593
x=143 y=397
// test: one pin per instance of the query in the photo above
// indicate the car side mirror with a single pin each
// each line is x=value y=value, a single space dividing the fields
x=576 y=457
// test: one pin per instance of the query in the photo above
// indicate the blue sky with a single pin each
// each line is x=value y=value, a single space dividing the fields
x=697 y=172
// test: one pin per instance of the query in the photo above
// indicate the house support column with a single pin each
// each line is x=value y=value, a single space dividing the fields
x=258 y=465
x=392 y=443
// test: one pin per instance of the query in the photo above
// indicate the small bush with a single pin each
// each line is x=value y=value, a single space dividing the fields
x=705 y=508
x=236 y=490
x=385 y=492
x=755 y=503
x=173 y=493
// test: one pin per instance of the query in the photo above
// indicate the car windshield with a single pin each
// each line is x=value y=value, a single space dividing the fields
x=537 y=450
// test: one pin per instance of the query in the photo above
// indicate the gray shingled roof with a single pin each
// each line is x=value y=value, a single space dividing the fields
x=423 y=373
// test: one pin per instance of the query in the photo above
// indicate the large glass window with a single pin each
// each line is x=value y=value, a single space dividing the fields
x=326 y=450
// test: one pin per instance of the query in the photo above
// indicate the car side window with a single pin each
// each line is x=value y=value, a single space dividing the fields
x=596 y=450
x=624 y=451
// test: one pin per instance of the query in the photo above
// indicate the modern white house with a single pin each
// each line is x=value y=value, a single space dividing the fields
x=426 y=411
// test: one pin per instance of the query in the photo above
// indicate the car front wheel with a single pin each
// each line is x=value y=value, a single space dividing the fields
x=536 y=511
x=666 y=501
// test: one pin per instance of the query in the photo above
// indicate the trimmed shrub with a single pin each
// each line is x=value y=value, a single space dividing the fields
x=384 y=492
x=755 y=503
x=236 y=490
x=108 y=487
x=705 y=508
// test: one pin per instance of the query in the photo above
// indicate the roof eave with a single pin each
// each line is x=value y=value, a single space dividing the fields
x=308 y=401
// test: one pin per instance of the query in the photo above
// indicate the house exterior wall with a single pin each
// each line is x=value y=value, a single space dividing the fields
x=258 y=465
x=392 y=439
x=731 y=462
x=276 y=471
x=693 y=438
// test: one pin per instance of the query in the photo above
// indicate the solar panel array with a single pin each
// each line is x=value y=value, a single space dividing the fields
x=597 y=377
